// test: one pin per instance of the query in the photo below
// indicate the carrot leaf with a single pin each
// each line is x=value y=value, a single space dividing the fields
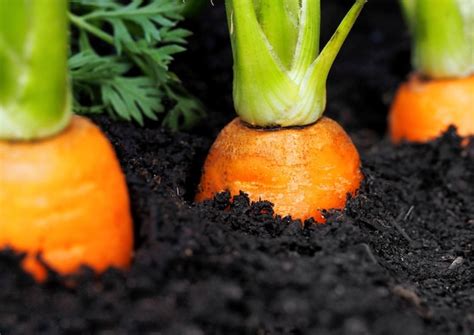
x=121 y=57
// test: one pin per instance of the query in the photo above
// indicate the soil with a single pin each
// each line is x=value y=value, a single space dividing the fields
x=398 y=260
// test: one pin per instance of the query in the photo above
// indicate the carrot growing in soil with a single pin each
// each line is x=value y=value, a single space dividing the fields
x=62 y=193
x=440 y=92
x=281 y=148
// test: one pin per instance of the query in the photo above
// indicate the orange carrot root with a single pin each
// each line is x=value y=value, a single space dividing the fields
x=301 y=171
x=66 y=198
x=423 y=110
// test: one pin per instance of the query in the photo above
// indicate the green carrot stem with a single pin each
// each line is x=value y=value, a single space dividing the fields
x=273 y=86
x=443 y=36
x=83 y=24
x=408 y=11
x=34 y=89
x=307 y=48
x=280 y=27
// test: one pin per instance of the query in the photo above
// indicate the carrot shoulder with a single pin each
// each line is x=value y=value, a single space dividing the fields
x=66 y=198
x=299 y=170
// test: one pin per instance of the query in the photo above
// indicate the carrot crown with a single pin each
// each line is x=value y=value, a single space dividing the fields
x=443 y=36
x=279 y=73
x=34 y=90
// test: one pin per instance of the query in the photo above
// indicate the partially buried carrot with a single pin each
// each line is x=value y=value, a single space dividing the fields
x=423 y=109
x=280 y=148
x=314 y=169
x=441 y=91
x=62 y=193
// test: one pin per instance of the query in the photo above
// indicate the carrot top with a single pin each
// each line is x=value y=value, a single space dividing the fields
x=279 y=73
x=443 y=36
x=34 y=90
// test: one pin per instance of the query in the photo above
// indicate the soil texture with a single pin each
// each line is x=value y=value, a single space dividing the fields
x=398 y=260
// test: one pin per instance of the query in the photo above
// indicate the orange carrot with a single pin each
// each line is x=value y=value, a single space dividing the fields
x=423 y=109
x=280 y=148
x=62 y=193
x=66 y=198
x=299 y=170
x=441 y=92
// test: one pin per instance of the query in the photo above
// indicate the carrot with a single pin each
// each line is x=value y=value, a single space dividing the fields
x=424 y=109
x=441 y=91
x=280 y=148
x=315 y=168
x=62 y=193
x=66 y=197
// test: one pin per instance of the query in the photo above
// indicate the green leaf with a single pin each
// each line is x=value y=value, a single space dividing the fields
x=132 y=97
x=120 y=61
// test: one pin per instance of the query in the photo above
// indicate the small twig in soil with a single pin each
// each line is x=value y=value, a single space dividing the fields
x=414 y=299
x=407 y=215
x=401 y=231
x=456 y=263
x=370 y=253
x=450 y=212
x=407 y=294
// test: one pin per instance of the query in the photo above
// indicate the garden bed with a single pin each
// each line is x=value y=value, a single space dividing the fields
x=397 y=260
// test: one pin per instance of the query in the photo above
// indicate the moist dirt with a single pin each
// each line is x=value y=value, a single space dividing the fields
x=397 y=260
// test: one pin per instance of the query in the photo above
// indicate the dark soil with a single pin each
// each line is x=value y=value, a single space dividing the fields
x=398 y=260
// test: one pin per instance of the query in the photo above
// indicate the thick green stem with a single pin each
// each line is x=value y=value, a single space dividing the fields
x=280 y=28
x=316 y=76
x=408 y=11
x=272 y=86
x=34 y=89
x=443 y=37
x=259 y=77
x=308 y=38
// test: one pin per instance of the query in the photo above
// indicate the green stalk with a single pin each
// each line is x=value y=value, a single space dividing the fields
x=443 y=36
x=34 y=88
x=279 y=78
x=307 y=48
x=408 y=11
x=280 y=27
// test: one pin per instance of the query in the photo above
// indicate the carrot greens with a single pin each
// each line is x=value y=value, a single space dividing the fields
x=121 y=57
x=279 y=73
x=443 y=36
